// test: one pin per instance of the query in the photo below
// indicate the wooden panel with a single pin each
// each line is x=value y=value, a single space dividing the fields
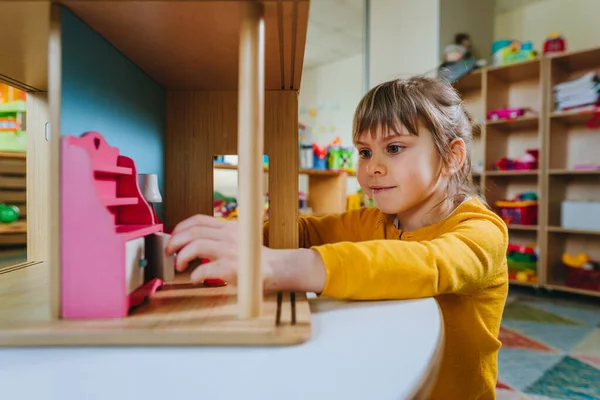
x=281 y=144
x=201 y=125
x=38 y=150
x=24 y=45
x=194 y=45
x=179 y=314
x=327 y=195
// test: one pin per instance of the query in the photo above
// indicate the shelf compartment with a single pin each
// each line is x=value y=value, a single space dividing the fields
x=570 y=187
x=500 y=188
x=516 y=85
x=564 y=242
x=571 y=145
x=573 y=117
x=470 y=82
x=527 y=122
x=520 y=272
x=501 y=143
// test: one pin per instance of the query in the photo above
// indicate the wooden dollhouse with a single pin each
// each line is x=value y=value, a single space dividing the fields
x=193 y=79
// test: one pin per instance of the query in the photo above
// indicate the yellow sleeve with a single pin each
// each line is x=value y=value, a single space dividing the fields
x=316 y=231
x=464 y=260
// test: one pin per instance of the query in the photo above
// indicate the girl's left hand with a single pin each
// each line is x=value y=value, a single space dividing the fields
x=203 y=236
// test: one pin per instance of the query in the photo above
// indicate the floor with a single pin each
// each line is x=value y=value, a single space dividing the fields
x=550 y=348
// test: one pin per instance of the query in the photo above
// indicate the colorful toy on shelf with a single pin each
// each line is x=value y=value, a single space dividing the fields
x=581 y=271
x=505 y=52
x=527 y=162
x=319 y=157
x=506 y=113
x=9 y=214
x=12 y=111
x=111 y=245
x=522 y=210
x=224 y=206
x=522 y=262
x=305 y=147
x=555 y=44
x=340 y=157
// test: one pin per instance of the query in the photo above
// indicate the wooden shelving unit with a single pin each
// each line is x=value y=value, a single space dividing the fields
x=327 y=190
x=13 y=191
x=562 y=139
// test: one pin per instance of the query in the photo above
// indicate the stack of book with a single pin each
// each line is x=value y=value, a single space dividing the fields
x=579 y=93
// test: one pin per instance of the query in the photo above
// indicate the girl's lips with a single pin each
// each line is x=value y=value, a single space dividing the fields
x=380 y=189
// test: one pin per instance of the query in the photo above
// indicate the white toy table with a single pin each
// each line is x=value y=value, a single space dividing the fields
x=359 y=350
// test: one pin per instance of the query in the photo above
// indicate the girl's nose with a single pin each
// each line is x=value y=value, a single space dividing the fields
x=375 y=167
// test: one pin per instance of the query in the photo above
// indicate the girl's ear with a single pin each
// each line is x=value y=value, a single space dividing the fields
x=457 y=157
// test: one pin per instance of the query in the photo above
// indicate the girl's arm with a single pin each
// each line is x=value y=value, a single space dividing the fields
x=464 y=260
x=316 y=231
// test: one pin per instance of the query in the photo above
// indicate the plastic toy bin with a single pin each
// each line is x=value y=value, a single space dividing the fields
x=518 y=212
x=582 y=279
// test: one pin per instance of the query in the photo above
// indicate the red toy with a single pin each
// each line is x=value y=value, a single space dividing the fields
x=555 y=44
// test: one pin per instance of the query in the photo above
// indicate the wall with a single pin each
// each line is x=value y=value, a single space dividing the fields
x=474 y=17
x=103 y=91
x=576 y=19
x=403 y=38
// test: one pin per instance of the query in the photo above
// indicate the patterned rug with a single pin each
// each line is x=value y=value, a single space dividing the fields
x=550 y=349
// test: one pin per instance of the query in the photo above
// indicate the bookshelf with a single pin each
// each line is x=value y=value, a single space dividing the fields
x=562 y=140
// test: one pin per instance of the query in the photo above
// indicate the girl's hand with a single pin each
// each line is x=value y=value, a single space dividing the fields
x=203 y=236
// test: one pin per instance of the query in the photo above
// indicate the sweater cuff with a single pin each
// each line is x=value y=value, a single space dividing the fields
x=335 y=275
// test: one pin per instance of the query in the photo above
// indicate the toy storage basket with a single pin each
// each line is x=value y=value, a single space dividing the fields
x=582 y=278
x=518 y=212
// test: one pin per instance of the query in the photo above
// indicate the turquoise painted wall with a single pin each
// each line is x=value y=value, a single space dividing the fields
x=105 y=92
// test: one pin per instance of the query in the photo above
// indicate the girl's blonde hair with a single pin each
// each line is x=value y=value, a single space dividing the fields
x=432 y=102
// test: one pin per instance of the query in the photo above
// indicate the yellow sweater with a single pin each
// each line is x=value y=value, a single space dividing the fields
x=461 y=262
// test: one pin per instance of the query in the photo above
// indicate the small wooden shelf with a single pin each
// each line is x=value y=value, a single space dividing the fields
x=301 y=171
x=14 y=227
x=515 y=227
x=575 y=172
x=526 y=122
x=573 y=117
x=568 y=289
x=512 y=173
x=559 y=229
x=524 y=283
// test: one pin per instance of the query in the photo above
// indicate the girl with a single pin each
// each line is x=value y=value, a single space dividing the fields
x=429 y=236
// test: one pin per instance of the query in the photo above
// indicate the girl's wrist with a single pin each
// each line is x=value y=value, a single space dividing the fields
x=295 y=270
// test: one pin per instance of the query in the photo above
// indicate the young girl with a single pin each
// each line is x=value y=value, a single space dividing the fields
x=430 y=235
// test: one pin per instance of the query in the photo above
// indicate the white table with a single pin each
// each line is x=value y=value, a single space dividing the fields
x=359 y=350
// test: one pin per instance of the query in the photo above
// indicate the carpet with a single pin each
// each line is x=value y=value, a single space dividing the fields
x=550 y=349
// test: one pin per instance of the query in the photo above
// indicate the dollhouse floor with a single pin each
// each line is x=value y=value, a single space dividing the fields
x=178 y=314
x=550 y=348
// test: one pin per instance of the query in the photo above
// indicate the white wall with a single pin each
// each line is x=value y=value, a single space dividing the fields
x=404 y=38
x=576 y=19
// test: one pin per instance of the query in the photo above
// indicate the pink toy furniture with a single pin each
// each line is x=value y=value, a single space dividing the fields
x=112 y=246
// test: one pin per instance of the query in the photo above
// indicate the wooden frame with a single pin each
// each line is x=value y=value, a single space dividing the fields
x=562 y=140
x=199 y=105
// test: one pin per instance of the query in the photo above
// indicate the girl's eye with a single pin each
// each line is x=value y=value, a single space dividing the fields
x=395 y=148
x=364 y=153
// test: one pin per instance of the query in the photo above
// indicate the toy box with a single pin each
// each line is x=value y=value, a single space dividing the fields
x=523 y=210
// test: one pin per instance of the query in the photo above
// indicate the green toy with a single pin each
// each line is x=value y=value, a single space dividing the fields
x=340 y=158
x=8 y=214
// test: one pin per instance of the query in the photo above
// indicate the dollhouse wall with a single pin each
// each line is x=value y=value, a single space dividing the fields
x=103 y=91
